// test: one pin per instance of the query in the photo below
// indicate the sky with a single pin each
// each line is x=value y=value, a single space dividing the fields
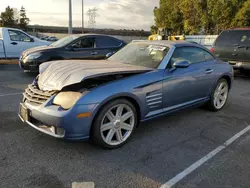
x=117 y=14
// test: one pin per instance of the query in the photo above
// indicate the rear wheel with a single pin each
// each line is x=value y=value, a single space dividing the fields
x=219 y=96
x=114 y=124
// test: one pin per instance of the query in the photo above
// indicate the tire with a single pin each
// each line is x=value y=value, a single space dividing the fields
x=219 y=96
x=109 y=127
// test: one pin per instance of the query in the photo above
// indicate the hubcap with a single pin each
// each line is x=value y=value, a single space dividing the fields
x=220 y=95
x=117 y=124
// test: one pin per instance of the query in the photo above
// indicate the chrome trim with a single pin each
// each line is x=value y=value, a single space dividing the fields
x=157 y=102
x=154 y=99
x=167 y=58
x=155 y=95
x=156 y=112
x=42 y=130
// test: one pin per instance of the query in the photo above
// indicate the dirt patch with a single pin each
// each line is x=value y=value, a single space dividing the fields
x=12 y=61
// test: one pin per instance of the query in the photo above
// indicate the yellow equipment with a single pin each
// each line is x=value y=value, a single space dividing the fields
x=162 y=34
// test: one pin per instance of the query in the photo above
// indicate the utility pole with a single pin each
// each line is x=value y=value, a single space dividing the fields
x=92 y=13
x=82 y=16
x=70 y=17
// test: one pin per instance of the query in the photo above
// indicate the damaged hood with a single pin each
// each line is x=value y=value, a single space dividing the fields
x=59 y=74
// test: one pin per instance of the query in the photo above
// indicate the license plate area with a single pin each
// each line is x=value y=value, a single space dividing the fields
x=23 y=112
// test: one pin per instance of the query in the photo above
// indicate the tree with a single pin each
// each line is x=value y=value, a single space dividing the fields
x=201 y=16
x=24 y=21
x=192 y=14
x=153 y=29
x=7 y=18
x=242 y=18
x=169 y=16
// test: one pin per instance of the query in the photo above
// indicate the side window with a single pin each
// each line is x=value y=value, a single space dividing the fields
x=105 y=42
x=223 y=39
x=19 y=36
x=233 y=37
x=191 y=54
x=84 y=43
x=241 y=37
x=208 y=56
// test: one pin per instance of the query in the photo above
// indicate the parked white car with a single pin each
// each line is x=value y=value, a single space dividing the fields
x=14 y=41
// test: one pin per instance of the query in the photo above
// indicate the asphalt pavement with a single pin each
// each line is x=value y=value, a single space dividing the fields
x=158 y=151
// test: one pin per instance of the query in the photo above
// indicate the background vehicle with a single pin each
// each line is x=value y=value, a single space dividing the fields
x=234 y=46
x=88 y=46
x=106 y=99
x=14 y=41
x=44 y=37
x=52 y=39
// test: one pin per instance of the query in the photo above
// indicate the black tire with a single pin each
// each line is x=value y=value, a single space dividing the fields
x=96 y=136
x=211 y=104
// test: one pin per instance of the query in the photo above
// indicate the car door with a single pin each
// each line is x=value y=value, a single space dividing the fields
x=184 y=86
x=83 y=48
x=18 y=42
x=242 y=45
x=105 y=45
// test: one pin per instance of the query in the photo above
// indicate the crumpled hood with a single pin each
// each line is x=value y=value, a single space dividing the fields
x=36 y=49
x=62 y=73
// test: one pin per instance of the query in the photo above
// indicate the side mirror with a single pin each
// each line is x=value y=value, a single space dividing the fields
x=181 y=64
x=109 y=54
x=32 y=40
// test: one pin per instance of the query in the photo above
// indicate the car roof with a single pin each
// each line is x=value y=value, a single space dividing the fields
x=92 y=34
x=178 y=43
x=242 y=28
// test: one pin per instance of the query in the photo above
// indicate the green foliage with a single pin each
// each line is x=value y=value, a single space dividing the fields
x=7 y=19
x=153 y=29
x=201 y=16
x=24 y=21
x=242 y=18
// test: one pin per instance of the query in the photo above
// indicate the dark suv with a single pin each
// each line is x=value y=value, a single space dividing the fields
x=234 y=46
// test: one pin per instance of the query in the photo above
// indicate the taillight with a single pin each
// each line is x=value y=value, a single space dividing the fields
x=212 y=49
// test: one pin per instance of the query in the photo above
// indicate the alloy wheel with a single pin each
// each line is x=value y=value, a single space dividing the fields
x=117 y=124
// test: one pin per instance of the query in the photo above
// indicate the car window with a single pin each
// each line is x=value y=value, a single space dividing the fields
x=190 y=54
x=233 y=38
x=102 y=42
x=64 y=41
x=208 y=56
x=141 y=54
x=84 y=43
x=19 y=36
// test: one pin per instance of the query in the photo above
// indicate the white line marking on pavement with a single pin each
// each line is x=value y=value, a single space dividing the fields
x=204 y=159
x=83 y=185
x=10 y=94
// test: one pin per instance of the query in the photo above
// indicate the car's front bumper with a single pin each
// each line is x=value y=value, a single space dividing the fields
x=54 y=121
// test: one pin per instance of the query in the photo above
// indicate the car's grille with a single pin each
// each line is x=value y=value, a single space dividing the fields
x=34 y=95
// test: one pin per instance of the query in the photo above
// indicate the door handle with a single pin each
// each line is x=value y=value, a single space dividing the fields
x=234 y=54
x=209 y=71
x=94 y=53
x=14 y=43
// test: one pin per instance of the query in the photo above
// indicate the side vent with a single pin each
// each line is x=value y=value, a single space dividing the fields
x=154 y=100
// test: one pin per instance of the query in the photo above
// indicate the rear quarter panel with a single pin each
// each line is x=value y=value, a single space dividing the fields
x=223 y=69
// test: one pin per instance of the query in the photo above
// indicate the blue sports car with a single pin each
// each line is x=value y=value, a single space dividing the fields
x=105 y=100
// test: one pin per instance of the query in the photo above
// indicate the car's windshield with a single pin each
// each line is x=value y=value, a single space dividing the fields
x=141 y=54
x=64 y=41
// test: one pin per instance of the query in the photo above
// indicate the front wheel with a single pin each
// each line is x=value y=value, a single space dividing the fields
x=219 y=96
x=114 y=124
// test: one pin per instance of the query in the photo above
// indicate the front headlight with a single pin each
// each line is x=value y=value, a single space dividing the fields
x=67 y=99
x=33 y=56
